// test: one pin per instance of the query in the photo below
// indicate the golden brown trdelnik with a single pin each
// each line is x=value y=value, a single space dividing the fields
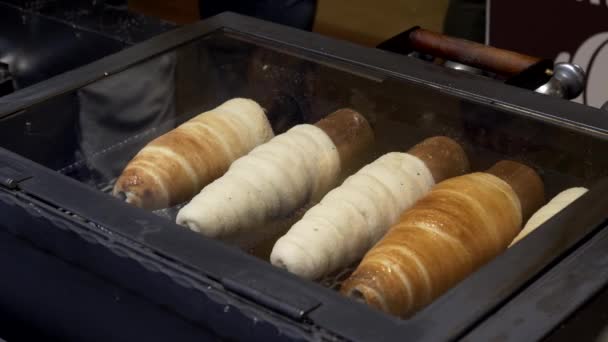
x=174 y=167
x=461 y=224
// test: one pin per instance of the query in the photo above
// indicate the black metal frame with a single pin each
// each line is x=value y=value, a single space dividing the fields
x=261 y=292
x=559 y=293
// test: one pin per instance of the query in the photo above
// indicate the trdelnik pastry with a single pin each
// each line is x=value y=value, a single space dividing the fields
x=177 y=165
x=277 y=178
x=350 y=219
x=457 y=227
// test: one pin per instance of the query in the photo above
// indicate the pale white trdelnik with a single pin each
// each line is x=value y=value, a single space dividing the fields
x=350 y=219
x=266 y=185
x=557 y=204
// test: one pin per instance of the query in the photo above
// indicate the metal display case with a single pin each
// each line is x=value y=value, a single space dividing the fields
x=79 y=264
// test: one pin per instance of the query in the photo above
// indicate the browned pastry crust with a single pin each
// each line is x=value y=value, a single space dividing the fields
x=443 y=156
x=174 y=167
x=460 y=225
x=350 y=132
x=172 y=183
x=524 y=181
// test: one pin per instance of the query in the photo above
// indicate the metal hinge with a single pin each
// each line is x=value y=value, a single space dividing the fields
x=265 y=289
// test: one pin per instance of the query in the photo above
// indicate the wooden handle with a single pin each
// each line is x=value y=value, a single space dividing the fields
x=503 y=62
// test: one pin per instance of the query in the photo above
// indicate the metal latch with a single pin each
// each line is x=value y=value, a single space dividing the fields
x=11 y=176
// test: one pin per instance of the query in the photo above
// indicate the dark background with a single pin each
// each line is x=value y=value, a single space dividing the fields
x=545 y=27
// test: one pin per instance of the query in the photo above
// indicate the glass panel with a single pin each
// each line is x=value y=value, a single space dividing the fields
x=92 y=133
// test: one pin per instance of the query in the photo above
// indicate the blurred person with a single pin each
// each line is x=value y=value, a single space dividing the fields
x=295 y=13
